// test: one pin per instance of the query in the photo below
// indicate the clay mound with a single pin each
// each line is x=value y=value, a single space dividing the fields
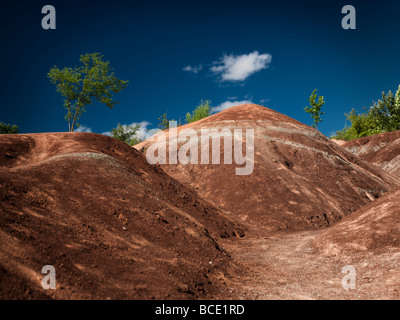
x=382 y=149
x=373 y=228
x=301 y=179
x=339 y=141
x=112 y=225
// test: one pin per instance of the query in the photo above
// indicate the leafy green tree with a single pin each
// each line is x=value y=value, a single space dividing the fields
x=361 y=125
x=382 y=116
x=127 y=133
x=386 y=112
x=8 y=128
x=164 y=122
x=315 y=108
x=397 y=97
x=93 y=81
x=203 y=110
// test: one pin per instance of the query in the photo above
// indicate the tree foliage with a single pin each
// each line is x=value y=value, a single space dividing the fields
x=203 y=110
x=8 y=128
x=382 y=116
x=315 y=108
x=93 y=81
x=163 y=122
x=127 y=133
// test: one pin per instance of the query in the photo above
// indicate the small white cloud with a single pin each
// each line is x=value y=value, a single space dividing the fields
x=239 y=68
x=107 y=133
x=83 y=129
x=265 y=101
x=228 y=104
x=193 y=69
x=143 y=128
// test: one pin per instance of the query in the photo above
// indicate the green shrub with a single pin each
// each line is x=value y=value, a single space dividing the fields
x=203 y=110
x=163 y=122
x=382 y=116
x=127 y=134
x=8 y=128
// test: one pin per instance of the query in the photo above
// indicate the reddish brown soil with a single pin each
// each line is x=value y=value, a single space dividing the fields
x=382 y=150
x=373 y=228
x=287 y=266
x=301 y=179
x=112 y=225
x=116 y=227
x=290 y=158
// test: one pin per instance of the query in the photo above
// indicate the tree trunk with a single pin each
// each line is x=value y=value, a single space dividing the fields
x=71 y=129
x=68 y=115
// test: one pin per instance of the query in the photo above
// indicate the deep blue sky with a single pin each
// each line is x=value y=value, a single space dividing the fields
x=150 y=42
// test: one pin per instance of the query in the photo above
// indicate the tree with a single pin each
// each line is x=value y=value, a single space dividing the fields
x=315 y=108
x=94 y=81
x=163 y=122
x=386 y=112
x=361 y=125
x=127 y=133
x=397 y=97
x=8 y=128
x=203 y=110
x=382 y=116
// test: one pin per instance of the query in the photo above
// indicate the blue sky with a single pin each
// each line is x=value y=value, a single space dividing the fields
x=174 y=54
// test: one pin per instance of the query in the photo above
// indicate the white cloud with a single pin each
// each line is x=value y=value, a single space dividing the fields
x=143 y=128
x=194 y=69
x=265 y=101
x=83 y=129
x=229 y=104
x=239 y=68
x=107 y=133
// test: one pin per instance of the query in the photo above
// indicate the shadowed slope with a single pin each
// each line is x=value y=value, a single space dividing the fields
x=112 y=225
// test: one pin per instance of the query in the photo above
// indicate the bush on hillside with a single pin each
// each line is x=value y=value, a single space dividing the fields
x=382 y=116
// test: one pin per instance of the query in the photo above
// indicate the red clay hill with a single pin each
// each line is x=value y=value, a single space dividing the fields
x=374 y=227
x=381 y=149
x=112 y=225
x=301 y=179
x=116 y=227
